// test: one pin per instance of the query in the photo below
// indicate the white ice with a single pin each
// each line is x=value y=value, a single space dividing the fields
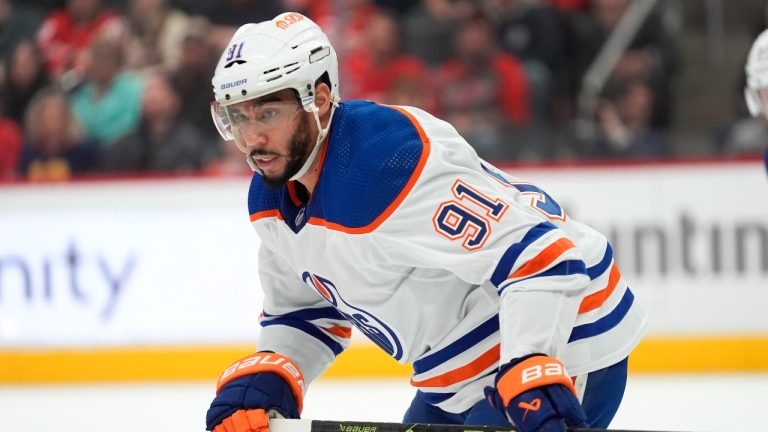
x=737 y=402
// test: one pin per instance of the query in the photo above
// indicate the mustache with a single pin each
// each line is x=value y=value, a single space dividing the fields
x=261 y=152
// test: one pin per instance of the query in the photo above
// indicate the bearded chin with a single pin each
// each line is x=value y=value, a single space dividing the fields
x=298 y=153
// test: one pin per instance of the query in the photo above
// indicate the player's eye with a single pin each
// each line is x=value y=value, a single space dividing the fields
x=237 y=116
x=269 y=114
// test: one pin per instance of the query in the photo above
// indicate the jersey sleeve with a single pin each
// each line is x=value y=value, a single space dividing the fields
x=463 y=216
x=296 y=321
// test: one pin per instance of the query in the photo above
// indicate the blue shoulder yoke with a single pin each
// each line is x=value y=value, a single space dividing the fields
x=373 y=153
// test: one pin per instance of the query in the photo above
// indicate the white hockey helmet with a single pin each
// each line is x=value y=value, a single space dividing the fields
x=290 y=51
x=757 y=74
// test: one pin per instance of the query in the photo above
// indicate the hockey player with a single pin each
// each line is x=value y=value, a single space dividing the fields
x=384 y=219
x=756 y=92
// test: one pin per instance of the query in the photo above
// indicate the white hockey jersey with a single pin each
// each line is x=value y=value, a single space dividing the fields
x=437 y=257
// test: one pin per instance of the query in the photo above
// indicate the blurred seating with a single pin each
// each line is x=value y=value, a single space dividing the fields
x=380 y=70
x=531 y=32
x=156 y=34
x=55 y=148
x=191 y=78
x=430 y=27
x=164 y=141
x=483 y=92
x=506 y=73
x=10 y=148
x=653 y=53
x=108 y=103
x=65 y=35
x=625 y=127
x=25 y=76
x=18 y=22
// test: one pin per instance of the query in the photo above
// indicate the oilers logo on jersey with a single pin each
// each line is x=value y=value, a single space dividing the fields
x=374 y=328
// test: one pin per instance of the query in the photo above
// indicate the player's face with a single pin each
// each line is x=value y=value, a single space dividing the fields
x=299 y=147
x=275 y=133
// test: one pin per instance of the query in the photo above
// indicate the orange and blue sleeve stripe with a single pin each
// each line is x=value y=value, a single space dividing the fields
x=484 y=363
x=302 y=320
x=508 y=272
x=436 y=374
x=598 y=269
x=605 y=323
x=458 y=346
x=596 y=299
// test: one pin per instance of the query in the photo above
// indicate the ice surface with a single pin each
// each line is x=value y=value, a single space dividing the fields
x=737 y=402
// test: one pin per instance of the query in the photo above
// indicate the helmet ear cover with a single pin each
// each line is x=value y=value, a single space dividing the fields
x=754 y=104
x=756 y=70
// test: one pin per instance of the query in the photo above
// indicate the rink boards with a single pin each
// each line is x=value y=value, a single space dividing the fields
x=156 y=279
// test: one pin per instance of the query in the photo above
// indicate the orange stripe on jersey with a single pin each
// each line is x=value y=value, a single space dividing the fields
x=344 y=332
x=400 y=197
x=292 y=193
x=469 y=370
x=544 y=258
x=595 y=300
x=265 y=214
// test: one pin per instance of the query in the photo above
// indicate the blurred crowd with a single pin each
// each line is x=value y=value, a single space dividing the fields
x=123 y=86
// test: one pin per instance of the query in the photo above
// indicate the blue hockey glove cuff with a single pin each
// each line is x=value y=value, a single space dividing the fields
x=536 y=394
x=267 y=381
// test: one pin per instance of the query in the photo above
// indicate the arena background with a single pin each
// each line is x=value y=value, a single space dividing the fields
x=125 y=293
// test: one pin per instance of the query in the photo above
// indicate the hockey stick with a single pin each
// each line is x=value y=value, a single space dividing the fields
x=305 y=425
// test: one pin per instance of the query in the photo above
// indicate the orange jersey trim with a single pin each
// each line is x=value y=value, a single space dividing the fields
x=265 y=214
x=544 y=258
x=486 y=360
x=344 y=332
x=400 y=197
x=595 y=300
x=292 y=193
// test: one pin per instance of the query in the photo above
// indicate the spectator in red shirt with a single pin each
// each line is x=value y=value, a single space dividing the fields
x=570 y=5
x=10 y=147
x=483 y=91
x=372 y=72
x=66 y=33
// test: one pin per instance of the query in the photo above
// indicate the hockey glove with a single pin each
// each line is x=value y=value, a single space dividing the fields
x=536 y=394
x=252 y=390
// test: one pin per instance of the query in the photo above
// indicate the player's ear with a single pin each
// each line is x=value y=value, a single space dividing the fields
x=323 y=99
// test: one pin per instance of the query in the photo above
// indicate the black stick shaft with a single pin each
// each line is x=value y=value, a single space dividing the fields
x=360 y=426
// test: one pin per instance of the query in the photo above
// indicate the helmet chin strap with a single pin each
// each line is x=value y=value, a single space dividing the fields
x=322 y=132
x=252 y=164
